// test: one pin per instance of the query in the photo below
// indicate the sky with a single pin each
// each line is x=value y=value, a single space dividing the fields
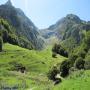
x=44 y=13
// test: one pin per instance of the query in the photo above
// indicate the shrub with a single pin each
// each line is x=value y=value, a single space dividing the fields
x=13 y=39
x=64 y=68
x=54 y=55
x=73 y=57
x=63 y=52
x=57 y=48
x=87 y=40
x=82 y=54
x=25 y=43
x=79 y=63
x=87 y=65
x=5 y=24
x=5 y=36
x=1 y=44
x=53 y=73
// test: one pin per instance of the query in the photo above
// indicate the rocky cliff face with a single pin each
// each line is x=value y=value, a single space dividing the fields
x=69 y=26
x=24 y=27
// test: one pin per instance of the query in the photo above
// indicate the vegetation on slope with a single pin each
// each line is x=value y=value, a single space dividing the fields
x=79 y=59
x=37 y=64
x=1 y=44
x=23 y=26
x=7 y=32
x=22 y=69
x=79 y=80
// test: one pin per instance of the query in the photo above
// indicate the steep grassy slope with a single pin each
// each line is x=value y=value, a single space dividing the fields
x=37 y=64
x=79 y=80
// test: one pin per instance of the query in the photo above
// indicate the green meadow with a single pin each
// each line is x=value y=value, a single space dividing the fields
x=37 y=63
x=79 y=80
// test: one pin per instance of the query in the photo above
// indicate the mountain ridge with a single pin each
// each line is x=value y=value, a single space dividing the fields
x=9 y=3
x=24 y=27
x=67 y=27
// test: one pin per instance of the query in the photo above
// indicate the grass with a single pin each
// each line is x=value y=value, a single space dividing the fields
x=37 y=63
x=79 y=80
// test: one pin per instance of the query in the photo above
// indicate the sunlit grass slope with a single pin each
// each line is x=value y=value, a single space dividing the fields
x=79 y=80
x=37 y=64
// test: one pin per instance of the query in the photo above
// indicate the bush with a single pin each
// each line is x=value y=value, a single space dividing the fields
x=53 y=73
x=13 y=39
x=25 y=43
x=87 y=40
x=1 y=44
x=63 y=52
x=64 y=68
x=5 y=36
x=73 y=57
x=57 y=48
x=54 y=55
x=79 y=63
x=87 y=65
x=82 y=54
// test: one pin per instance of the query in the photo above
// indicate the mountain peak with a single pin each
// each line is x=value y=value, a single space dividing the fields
x=72 y=16
x=9 y=3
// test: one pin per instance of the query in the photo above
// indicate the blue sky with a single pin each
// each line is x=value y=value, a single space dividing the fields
x=44 y=13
